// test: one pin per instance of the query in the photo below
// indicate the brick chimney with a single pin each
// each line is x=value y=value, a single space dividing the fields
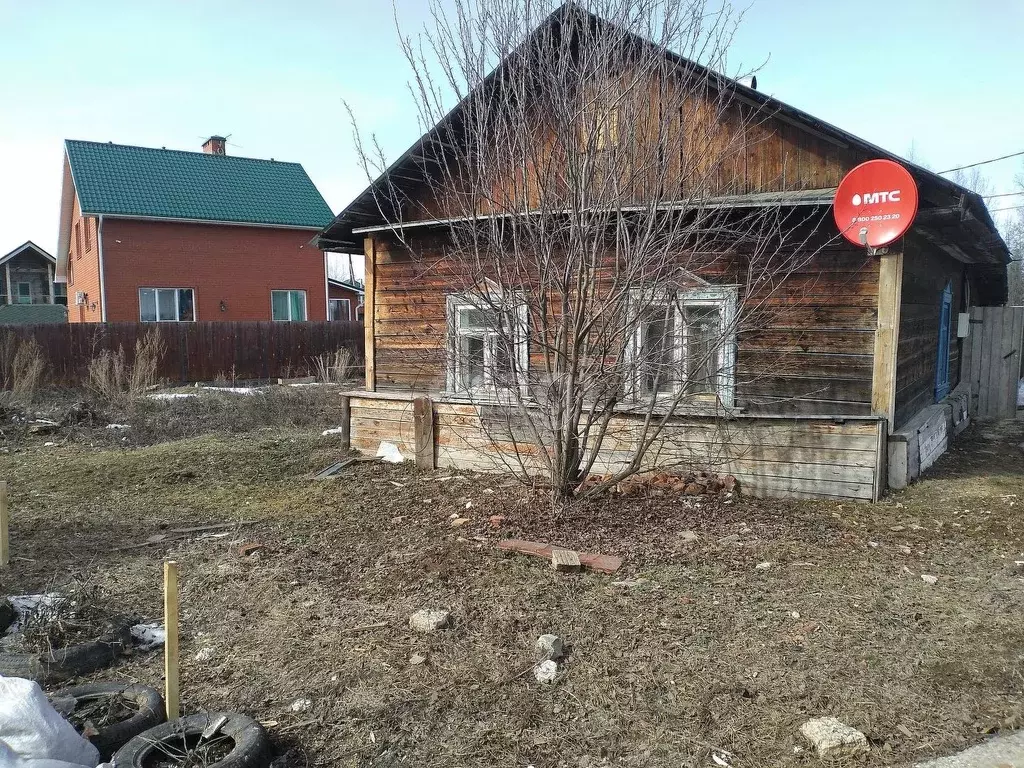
x=215 y=145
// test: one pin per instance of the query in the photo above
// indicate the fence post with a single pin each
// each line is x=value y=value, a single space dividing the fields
x=346 y=422
x=423 y=427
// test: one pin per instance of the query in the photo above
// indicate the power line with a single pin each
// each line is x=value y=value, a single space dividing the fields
x=1004 y=194
x=984 y=162
x=1011 y=208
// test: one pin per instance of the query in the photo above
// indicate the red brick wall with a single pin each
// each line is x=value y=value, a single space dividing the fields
x=237 y=265
x=337 y=292
x=83 y=269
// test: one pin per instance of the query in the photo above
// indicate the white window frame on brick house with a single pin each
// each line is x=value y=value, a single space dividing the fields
x=157 y=302
x=345 y=315
x=461 y=332
x=671 y=308
x=290 y=292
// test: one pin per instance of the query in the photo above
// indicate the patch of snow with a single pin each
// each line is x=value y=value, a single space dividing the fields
x=149 y=636
x=334 y=431
x=1020 y=393
x=301 y=705
x=118 y=426
x=171 y=395
x=235 y=390
x=310 y=384
x=546 y=672
x=390 y=453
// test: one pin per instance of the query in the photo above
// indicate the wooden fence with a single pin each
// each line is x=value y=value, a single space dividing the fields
x=194 y=351
x=992 y=360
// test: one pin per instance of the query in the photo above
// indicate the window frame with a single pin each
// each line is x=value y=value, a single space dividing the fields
x=290 y=291
x=456 y=303
x=725 y=299
x=18 y=296
x=348 y=309
x=177 y=304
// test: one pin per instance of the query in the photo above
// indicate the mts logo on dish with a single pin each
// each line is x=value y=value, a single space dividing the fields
x=873 y=198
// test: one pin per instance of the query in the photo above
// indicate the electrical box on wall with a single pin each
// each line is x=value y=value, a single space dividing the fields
x=963 y=325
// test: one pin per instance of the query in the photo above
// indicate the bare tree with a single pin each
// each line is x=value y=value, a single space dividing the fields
x=1015 y=241
x=585 y=198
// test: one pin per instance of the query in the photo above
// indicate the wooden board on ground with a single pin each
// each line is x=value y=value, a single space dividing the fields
x=595 y=562
x=565 y=560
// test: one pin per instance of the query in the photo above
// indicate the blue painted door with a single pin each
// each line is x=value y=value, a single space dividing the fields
x=942 y=363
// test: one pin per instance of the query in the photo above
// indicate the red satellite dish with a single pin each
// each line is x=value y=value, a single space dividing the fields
x=876 y=203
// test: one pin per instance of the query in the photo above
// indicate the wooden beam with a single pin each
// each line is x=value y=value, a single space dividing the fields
x=171 y=689
x=346 y=422
x=423 y=426
x=369 y=304
x=887 y=336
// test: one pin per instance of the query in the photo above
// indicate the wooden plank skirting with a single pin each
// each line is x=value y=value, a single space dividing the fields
x=805 y=457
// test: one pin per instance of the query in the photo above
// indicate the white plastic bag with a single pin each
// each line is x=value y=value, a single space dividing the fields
x=33 y=735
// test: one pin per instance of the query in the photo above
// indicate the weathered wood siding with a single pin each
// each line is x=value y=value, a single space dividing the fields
x=926 y=271
x=816 y=458
x=711 y=145
x=805 y=344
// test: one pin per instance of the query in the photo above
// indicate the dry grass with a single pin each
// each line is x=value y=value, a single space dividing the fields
x=336 y=368
x=706 y=653
x=114 y=380
x=21 y=368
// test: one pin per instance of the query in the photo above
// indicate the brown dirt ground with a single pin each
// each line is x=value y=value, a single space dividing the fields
x=707 y=653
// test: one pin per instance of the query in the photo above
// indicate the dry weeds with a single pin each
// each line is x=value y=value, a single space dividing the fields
x=114 y=380
x=704 y=651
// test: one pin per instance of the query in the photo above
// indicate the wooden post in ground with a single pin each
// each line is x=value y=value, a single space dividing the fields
x=887 y=335
x=5 y=546
x=370 y=248
x=346 y=422
x=423 y=427
x=171 y=690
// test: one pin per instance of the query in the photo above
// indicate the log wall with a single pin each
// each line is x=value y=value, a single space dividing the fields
x=805 y=345
x=926 y=270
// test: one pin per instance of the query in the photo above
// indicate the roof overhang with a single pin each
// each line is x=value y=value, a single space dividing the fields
x=807 y=197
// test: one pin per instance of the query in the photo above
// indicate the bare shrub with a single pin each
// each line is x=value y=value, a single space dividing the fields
x=21 y=367
x=334 y=368
x=114 y=380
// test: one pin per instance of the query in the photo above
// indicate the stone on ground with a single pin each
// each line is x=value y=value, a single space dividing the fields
x=1000 y=752
x=427 y=620
x=833 y=739
x=546 y=671
x=549 y=647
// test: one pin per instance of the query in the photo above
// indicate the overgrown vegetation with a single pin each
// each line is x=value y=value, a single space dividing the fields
x=21 y=367
x=71 y=612
x=113 y=379
x=335 y=368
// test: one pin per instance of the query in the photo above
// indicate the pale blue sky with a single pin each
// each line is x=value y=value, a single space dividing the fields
x=941 y=74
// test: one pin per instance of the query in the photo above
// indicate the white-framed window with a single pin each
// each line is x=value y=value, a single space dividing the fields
x=684 y=343
x=487 y=345
x=24 y=293
x=167 y=305
x=339 y=309
x=288 y=305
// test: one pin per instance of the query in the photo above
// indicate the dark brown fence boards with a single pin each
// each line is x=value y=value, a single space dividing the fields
x=194 y=351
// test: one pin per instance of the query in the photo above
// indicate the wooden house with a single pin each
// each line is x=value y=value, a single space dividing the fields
x=870 y=342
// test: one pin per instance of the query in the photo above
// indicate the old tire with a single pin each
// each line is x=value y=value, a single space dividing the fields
x=147 y=711
x=251 y=748
x=73 y=660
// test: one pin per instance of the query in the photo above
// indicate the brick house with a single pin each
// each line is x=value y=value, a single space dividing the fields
x=344 y=300
x=156 y=234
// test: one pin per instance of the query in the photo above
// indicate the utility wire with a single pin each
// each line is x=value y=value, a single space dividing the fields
x=1011 y=208
x=1004 y=194
x=984 y=162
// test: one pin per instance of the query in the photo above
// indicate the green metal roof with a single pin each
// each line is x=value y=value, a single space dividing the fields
x=32 y=314
x=139 y=182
